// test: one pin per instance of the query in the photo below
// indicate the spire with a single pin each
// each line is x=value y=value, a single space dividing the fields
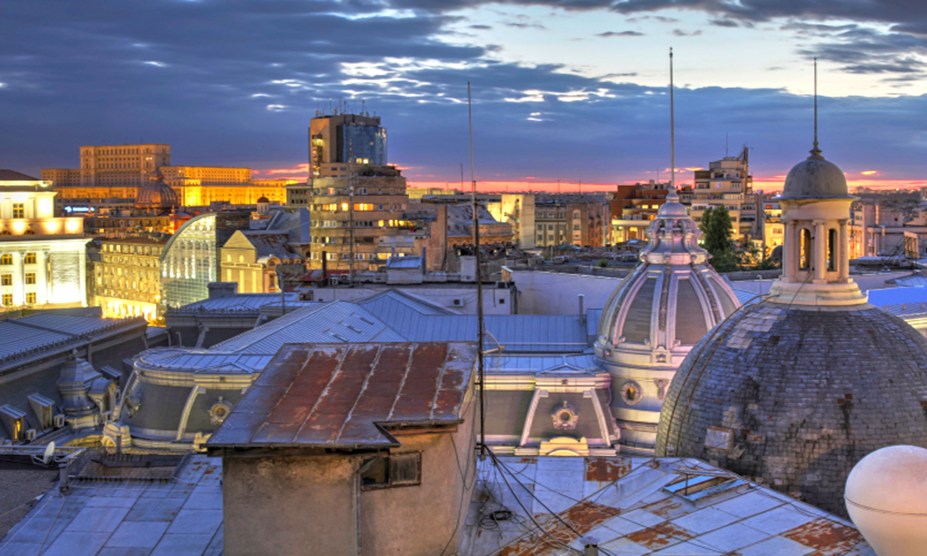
x=815 y=150
x=672 y=127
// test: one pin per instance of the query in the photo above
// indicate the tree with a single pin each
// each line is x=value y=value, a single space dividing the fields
x=716 y=230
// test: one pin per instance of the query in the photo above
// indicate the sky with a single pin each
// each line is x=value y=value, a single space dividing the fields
x=573 y=92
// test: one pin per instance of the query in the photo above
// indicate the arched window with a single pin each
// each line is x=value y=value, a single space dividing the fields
x=804 y=249
x=831 y=249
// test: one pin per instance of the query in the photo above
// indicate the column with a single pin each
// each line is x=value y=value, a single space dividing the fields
x=19 y=279
x=42 y=278
x=819 y=254
x=843 y=255
x=790 y=251
x=82 y=273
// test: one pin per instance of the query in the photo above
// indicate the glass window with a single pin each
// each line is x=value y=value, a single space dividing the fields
x=7 y=299
x=6 y=259
x=6 y=279
x=30 y=298
x=29 y=258
x=392 y=471
x=30 y=277
x=19 y=210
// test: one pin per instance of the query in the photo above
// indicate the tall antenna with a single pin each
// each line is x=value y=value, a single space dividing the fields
x=479 y=284
x=672 y=127
x=815 y=151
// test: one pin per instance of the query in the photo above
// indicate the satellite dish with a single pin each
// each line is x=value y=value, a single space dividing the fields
x=49 y=452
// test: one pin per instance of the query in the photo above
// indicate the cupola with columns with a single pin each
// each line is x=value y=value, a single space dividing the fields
x=815 y=261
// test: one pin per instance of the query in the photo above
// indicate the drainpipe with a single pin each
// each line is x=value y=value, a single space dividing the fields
x=358 y=544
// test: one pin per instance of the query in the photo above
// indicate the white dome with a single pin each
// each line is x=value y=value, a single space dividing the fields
x=815 y=178
x=654 y=317
x=886 y=497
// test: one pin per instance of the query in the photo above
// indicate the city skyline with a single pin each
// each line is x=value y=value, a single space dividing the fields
x=569 y=95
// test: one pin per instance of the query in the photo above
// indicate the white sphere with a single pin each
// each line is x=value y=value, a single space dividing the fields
x=886 y=497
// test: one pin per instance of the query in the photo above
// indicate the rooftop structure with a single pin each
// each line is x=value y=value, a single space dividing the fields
x=796 y=389
x=653 y=319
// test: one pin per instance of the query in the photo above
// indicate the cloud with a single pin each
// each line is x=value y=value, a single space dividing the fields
x=681 y=33
x=610 y=34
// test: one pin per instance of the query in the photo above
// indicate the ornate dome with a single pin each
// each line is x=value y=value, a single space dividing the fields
x=653 y=319
x=793 y=397
x=815 y=178
x=156 y=195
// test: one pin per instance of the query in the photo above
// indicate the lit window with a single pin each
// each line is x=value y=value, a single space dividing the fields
x=19 y=210
x=30 y=298
x=7 y=299
x=30 y=277
x=29 y=258
x=6 y=259
x=6 y=279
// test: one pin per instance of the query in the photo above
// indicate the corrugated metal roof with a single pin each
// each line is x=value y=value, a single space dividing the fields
x=904 y=310
x=17 y=340
x=514 y=333
x=396 y=306
x=202 y=361
x=338 y=321
x=341 y=396
x=240 y=303
x=643 y=506
x=917 y=280
x=72 y=324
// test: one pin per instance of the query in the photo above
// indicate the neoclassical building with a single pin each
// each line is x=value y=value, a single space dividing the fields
x=794 y=390
x=42 y=258
x=654 y=317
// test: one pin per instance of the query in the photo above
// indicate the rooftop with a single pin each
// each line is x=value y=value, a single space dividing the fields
x=347 y=396
x=13 y=175
x=180 y=515
x=641 y=506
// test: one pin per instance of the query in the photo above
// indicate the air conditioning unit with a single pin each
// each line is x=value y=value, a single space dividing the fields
x=58 y=420
x=457 y=302
x=30 y=435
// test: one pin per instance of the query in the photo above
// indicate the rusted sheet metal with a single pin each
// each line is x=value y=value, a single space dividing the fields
x=582 y=518
x=337 y=395
x=660 y=535
x=826 y=536
x=606 y=470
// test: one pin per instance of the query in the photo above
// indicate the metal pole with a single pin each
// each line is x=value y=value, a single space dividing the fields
x=479 y=284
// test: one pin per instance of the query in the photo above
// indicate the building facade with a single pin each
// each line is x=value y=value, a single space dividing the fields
x=43 y=259
x=127 y=278
x=727 y=183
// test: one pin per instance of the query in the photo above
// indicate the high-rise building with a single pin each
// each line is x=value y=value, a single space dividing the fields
x=42 y=258
x=340 y=140
x=355 y=199
x=727 y=183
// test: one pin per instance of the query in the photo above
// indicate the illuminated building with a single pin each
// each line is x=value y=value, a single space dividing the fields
x=42 y=258
x=118 y=171
x=727 y=183
x=633 y=207
x=355 y=199
x=127 y=278
x=257 y=258
x=190 y=260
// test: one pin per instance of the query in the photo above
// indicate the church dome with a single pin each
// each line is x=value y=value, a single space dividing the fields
x=815 y=178
x=156 y=195
x=654 y=317
x=794 y=396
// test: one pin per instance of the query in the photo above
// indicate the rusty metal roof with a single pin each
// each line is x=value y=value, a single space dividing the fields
x=347 y=396
x=631 y=505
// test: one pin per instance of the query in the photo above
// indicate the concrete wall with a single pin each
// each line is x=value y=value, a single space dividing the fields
x=554 y=293
x=289 y=505
x=276 y=504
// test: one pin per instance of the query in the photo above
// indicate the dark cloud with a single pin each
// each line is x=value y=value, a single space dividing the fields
x=611 y=34
x=681 y=33
x=235 y=82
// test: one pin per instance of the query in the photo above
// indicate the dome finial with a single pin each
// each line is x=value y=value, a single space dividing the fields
x=815 y=150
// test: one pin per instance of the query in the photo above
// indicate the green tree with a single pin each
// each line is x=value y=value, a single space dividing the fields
x=716 y=230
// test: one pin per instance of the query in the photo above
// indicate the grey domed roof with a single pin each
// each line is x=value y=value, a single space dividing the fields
x=156 y=194
x=794 y=397
x=815 y=178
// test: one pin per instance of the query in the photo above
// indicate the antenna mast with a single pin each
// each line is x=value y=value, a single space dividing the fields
x=672 y=127
x=479 y=284
x=815 y=151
